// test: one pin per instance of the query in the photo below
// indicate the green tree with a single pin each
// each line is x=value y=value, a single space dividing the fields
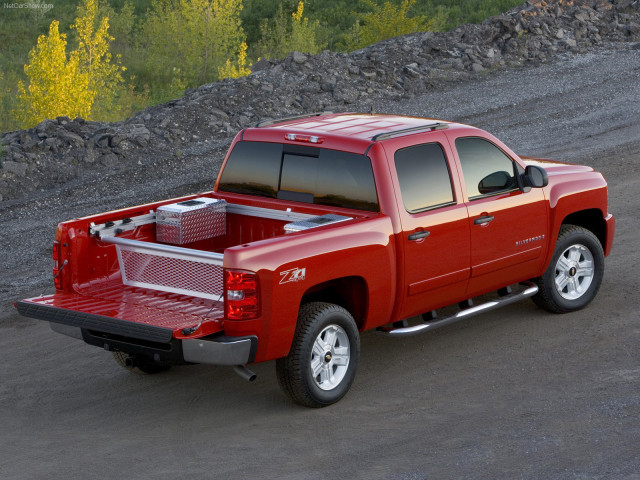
x=187 y=42
x=285 y=34
x=56 y=84
x=389 y=21
x=105 y=76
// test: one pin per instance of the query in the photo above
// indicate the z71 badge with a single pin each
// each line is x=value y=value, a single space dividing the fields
x=293 y=275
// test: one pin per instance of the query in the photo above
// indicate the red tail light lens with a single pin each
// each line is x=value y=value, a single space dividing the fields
x=56 y=253
x=242 y=301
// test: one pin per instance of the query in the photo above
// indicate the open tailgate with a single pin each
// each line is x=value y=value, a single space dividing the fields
x=128 y=311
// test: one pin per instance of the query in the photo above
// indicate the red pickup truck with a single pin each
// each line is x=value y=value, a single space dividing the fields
x=322 y=227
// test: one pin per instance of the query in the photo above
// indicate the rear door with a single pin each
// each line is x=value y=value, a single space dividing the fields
x=435 y=227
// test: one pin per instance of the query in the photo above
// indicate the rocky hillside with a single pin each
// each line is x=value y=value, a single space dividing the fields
x=58 y=151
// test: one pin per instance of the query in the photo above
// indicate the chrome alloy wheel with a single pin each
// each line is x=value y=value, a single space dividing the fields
x=574 y=272
x=330 y=357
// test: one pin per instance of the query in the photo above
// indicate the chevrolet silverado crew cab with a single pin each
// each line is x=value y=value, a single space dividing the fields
x=320 y=228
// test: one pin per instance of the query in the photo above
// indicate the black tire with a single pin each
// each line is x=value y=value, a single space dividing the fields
x=574 y=274
x=317 y=322
x=141 y=365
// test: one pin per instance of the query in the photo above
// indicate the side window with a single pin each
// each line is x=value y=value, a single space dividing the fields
x=253 y=168
x=424 y=177
x=485 y=167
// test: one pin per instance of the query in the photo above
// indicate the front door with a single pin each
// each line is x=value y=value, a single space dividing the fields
x=508 y=226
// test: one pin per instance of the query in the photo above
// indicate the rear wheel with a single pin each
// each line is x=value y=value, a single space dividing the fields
x=574 y=275
x=137 y=364
x=324 y=355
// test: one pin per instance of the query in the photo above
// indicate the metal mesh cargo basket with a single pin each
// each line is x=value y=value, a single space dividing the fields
x=170 y=269
x=191 y=220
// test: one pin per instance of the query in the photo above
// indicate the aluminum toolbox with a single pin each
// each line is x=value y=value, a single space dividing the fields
x=314 y=222
x=191 y=220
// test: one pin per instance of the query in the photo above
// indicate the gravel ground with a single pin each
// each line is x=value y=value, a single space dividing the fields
x=514 y=394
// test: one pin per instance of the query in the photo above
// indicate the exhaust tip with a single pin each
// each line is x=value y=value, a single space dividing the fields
x=245 y=373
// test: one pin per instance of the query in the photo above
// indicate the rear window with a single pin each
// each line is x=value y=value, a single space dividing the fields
x=302 y=174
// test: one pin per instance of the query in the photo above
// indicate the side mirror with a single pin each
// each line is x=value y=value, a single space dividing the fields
x=494 y=182
x=535 y=177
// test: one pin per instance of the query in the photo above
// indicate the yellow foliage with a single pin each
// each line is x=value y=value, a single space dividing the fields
x=239 y=69
x=297 y=15
x=56 y=86
x=82 y=84
x=105 y=77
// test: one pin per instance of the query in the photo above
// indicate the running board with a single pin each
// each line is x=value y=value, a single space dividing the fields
x=431 y=323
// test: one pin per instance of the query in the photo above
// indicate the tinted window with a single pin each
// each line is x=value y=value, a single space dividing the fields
x=424 y=177
x=301 y=173
x=333 y=178
x=253 y=168
x=485 y=167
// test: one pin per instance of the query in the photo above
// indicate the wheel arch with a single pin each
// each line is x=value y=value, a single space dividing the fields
x=593 y=220
x=350 y=292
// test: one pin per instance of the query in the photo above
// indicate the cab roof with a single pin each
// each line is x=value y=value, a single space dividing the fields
x=360 y=130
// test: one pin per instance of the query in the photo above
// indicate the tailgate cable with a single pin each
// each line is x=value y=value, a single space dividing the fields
x=64 y=264
x=192 y=330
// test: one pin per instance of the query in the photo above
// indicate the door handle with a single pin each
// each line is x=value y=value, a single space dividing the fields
x=419 y=235
x=484 y=219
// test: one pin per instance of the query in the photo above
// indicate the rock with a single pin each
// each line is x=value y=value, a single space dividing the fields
x=109 y=160
x=346 y=94
x=18 y=169
x=28 y=142
x=138 y=134
x=476 y=67
x=70 y=138
x=260 y=65
x=102 y=140
x=369 y=74
x=298 y=57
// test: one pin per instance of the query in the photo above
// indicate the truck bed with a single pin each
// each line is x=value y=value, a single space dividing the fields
x=141 y=288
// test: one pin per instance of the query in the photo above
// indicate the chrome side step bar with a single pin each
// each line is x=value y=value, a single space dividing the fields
x=431 y=322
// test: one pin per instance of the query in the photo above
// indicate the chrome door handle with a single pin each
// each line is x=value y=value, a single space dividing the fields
x=419 y=235
x=481 y=220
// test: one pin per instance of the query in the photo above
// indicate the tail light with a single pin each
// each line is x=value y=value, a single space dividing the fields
x=57 y=254
x=242 y=300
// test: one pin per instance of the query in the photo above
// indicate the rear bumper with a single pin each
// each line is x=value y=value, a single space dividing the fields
x=139 y=339
x=220 y=350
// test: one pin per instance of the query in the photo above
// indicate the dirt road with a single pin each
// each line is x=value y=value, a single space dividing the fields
x=518 y=393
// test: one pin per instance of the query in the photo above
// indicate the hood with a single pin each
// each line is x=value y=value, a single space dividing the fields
x=554 y=167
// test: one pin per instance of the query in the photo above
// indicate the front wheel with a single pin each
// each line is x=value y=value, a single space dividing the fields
x=324 y=355
x=574 y=275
